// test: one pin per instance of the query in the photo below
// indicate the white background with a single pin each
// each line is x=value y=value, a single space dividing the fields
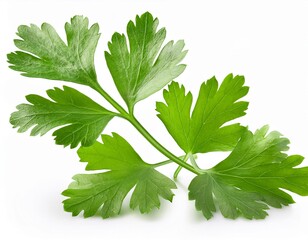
x=267 y=41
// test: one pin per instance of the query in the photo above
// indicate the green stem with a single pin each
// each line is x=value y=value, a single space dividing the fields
x=162 y=163
x=117 y=106
x=179 y=168
x=143 y=131
x=155 y=165
x=159 y=147
x=193 y=162
x=177 y=171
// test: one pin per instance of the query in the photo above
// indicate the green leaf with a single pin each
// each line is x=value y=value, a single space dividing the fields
x=251 y=178
x=105 y=192
x=205 y=130
x=254 y=177
x=45 y=55
x=143 y=68
x=81 y=118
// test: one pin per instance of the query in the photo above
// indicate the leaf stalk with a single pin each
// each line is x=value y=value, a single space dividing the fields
x=131 y=118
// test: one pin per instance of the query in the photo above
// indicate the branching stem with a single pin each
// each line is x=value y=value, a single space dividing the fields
x=185 y=159
x=192 y=159
x=179 y=168
x=131 y=118
x=162 y=163
x=155 y=165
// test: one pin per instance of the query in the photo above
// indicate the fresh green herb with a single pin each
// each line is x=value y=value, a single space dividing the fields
x=90 y=191
x=83 y=118
x=45 y=55
x=249 y=181
x=136 y=68
x=251 y=178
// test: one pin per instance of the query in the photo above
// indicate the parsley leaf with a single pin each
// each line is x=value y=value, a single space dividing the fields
x=90 y=192
x=143 y=68
x=251 y=178
x=45 y=55
x=83 y=118
x=202 y=131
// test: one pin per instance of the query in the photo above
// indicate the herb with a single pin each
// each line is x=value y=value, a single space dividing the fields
x=83 y=118
x=90 y=191
x=251 y=178
x=249 y=181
